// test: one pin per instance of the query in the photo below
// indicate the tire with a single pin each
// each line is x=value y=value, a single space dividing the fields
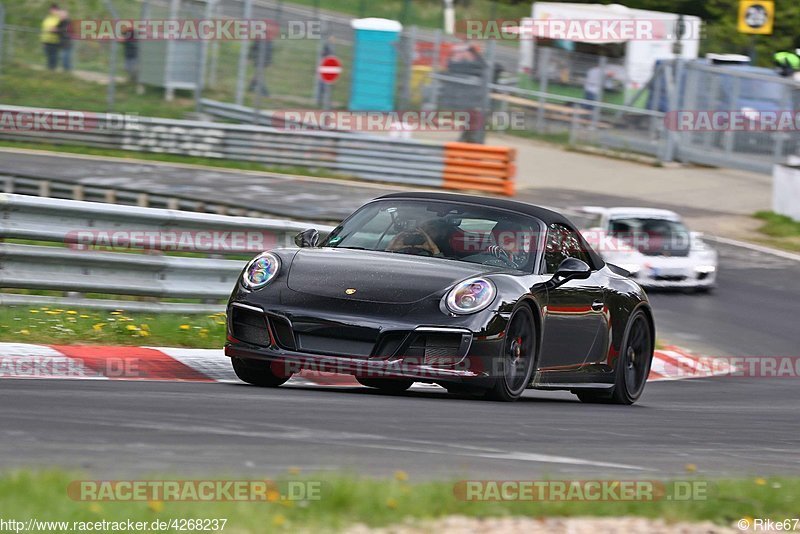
x=258 y=373
x=517 y=357
x=388 y=385
x=632 y=367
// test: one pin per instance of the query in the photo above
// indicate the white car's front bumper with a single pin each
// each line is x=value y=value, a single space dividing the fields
x=671 y=272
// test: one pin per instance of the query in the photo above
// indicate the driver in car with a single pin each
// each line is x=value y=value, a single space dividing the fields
x=512 y=243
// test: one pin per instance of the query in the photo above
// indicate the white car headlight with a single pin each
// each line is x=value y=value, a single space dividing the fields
x=751 y=114
x=705 y=269
x=470 y=296
x=261 y=270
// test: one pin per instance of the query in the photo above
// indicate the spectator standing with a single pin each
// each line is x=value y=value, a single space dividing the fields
x=49 y=36
x=65 y=39
x=257 y=56
x=593 y=84
x=130 y=50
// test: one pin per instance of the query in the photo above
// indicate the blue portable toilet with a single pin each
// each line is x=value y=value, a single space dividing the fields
x=374 y=64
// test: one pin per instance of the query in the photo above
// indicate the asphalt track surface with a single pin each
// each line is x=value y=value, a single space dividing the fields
x=724 y=425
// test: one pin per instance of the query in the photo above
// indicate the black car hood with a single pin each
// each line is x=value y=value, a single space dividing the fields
x=376 y=276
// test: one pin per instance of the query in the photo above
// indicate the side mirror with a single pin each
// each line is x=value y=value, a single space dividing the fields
x=572 y=269
x=307 y=238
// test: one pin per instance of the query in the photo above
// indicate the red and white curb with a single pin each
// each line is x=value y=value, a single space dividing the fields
x=21 y=360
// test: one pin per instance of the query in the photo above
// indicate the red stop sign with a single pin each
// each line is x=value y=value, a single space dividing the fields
x=329 y=69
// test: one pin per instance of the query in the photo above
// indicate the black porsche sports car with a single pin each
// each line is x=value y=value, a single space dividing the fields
x=483 y=296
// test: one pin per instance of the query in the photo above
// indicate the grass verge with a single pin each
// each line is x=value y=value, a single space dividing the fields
x=51 y=324
x=346 y=499
x=781 y=231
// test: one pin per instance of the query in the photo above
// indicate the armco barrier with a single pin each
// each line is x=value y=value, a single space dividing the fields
x=141 y=273
x=479 y=167
x=368 y=157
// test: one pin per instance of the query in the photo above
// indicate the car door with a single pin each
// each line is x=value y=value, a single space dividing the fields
x=575 y=322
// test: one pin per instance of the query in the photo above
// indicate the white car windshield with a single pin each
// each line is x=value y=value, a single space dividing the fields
x=652 y=236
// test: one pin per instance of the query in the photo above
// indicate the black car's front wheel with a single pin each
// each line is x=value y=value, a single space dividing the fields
x=517 y=359
x=632 y=367
x=259 y=373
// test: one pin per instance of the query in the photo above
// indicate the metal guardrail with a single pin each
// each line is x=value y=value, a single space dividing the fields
x=152 y=274
x=248 y=115
x=33 y=185
x=367 y=157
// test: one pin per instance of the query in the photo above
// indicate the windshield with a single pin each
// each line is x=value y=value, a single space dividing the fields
x=652 y=236
x=448 y=230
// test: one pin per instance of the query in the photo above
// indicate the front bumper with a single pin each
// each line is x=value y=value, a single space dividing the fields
x=675 y=273
x=399 y=351
x=688 y=280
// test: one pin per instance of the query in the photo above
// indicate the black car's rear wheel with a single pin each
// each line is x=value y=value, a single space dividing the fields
x=389 y=385
x=516 y=362
x=632 y=367
x=259 y=373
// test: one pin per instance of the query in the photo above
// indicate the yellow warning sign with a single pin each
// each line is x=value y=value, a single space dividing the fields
x=756 y=16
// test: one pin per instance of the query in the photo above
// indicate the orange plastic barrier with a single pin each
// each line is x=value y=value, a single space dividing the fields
x=479 y=167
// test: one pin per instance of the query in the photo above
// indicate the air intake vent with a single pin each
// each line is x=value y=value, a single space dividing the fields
x=250 y=327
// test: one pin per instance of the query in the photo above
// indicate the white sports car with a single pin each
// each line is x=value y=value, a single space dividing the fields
x=653 y=245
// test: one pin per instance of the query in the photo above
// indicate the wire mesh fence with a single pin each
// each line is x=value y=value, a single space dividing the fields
x=551 y=90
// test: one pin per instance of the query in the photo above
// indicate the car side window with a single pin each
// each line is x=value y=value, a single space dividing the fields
x=563 y=242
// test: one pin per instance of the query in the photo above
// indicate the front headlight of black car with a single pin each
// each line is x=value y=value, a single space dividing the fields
x=261 y=270
x=470 y=296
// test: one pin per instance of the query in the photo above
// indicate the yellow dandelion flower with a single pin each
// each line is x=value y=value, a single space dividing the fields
x=761 y=482
x=278 y=521
x=391 y=503
x=184 y=327
x=145 y=326
x=72 y=312
x=97 y=327
x=83 y=316
x=132 y=327
x=402 y=476
x=144 y=333
x=34 y=311
x=155 y=506
x=691 y=468
x=25 y=332
x=273 y=496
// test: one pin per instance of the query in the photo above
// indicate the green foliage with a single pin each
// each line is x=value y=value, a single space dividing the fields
x=341 y=500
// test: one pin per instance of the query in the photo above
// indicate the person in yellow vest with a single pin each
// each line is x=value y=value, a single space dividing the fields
x=788 y=63
x=50 y=37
